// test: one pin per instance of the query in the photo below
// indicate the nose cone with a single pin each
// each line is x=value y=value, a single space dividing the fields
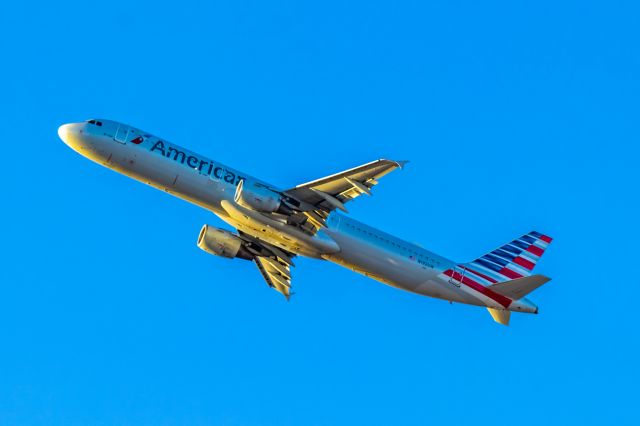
x=78 y=137
x=63 y=132
x=71 y=134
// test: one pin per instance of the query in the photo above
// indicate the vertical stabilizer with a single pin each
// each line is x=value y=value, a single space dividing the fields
x=511 y=261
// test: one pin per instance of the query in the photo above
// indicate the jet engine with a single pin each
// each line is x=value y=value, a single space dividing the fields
x=260 y=198
x=222 y=243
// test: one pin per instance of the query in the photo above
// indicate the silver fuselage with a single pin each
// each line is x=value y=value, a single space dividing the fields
x=212 y=185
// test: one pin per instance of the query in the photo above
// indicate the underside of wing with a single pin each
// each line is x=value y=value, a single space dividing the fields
x=276 y=273
x=273 y=263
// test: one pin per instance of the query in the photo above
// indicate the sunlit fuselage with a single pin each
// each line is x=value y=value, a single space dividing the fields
x=212 y=185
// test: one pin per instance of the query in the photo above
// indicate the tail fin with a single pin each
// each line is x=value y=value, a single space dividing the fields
x=511 y=261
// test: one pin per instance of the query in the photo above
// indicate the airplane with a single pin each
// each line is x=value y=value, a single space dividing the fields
x=274 y=225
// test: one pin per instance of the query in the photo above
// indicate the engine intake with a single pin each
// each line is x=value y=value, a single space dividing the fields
x=222 y=243
x=259 y=198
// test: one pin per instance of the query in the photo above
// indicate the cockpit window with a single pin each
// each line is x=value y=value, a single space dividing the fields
x=97 y=123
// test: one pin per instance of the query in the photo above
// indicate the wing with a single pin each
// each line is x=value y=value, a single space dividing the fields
x=343 y=186
x=276 y=273
x=273 y=263
x=316 y=199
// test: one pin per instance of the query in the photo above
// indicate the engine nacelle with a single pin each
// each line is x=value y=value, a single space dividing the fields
x=259 y=198
x=222 y=243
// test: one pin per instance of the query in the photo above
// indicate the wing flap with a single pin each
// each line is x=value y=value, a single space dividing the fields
x=276 y=273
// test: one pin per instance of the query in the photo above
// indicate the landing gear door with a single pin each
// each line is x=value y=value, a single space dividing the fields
x=121 y=134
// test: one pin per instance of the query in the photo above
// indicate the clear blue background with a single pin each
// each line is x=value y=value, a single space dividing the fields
x=514 y=118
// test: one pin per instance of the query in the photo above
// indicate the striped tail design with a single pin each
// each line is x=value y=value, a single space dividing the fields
x=514 y=260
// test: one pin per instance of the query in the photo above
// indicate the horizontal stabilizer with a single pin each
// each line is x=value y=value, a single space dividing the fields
x=520 y=287
x=500 y=316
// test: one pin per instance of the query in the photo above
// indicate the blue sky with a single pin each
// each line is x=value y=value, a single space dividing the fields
x=514 y=117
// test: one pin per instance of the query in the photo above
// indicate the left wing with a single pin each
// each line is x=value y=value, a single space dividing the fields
x=333 y=191
x=316 y=199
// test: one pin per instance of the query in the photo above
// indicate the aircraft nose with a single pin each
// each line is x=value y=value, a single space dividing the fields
x=63 y=132
x=77 y=137
x=71 y=135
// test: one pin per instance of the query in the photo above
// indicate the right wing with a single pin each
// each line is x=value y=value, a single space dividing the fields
x=276 y=273
x=273 y=263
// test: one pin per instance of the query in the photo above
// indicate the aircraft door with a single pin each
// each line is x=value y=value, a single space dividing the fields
x=121 y=134
x=458 y=276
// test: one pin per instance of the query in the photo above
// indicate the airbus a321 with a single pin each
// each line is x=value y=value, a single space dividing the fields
x=274 y=225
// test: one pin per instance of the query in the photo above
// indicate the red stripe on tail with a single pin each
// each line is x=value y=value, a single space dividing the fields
x=481 y=275
x=535 y=250
x=504 y=301
x=509 y=273
x=524 y=263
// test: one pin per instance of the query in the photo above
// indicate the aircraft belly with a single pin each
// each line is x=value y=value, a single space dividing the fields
x=276 y=232
x=272 y=236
